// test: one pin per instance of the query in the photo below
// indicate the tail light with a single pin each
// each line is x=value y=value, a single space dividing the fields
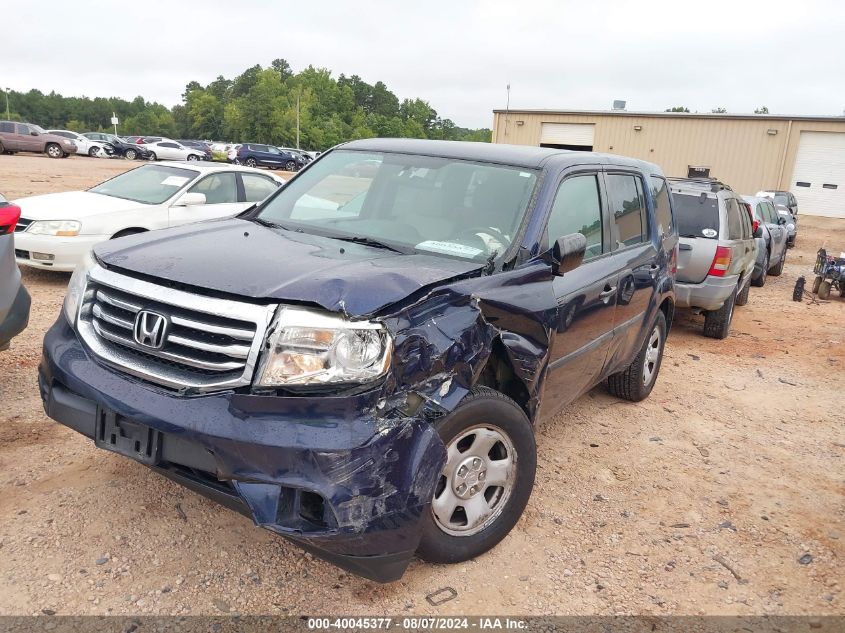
x=674 y=263
x=9 y=216
x=755 y=225
x=721 y=262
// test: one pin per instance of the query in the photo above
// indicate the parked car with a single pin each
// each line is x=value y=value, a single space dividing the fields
x=789 y=212
x=361 y=375
x=116 y=146
x=257 y=154
x=299 y=154
x=201 y=146
x=171 y=150
x=771 y=244
x=57 y=230
x=83 y=145
x=14 y=299
x=717 y=251
x=26 y=137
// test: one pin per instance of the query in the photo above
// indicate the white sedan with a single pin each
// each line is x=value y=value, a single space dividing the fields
x=83 y=145
x=57 y=230
x=166 y=149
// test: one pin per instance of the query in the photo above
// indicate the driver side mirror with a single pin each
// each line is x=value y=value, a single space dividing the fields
x=781 y=220
x=190 y=200
x=568 y=252
x=33 y=133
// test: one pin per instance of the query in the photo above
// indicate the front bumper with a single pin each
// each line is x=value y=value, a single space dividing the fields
x=16 y=318
x=324 y=472
x=67 y=252
x=710 y=294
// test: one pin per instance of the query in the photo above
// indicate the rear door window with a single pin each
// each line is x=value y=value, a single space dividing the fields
x=662 y=206
x=697 y=215
x=627 y=205
x=217 y=188
x=734 y=219
x=257 y=187
x=7 y=127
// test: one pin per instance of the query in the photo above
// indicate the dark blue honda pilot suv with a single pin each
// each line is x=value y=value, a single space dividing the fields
x=357 y=362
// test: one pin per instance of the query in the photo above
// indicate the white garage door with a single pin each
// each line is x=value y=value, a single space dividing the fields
x=568 y=133
x=818 y=180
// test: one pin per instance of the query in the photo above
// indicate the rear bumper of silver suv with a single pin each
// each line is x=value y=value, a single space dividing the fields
x=710 y=294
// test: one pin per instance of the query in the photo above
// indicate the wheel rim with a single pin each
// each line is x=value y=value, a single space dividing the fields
x=290 y=166
x=476 y=482
x=652 y=356
x=152 y=156
x=92 y=152
x=191 y=157
x=250 y=162
x=130 y=154
x=54 y=151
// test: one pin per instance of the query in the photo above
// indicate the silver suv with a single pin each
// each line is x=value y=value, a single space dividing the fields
x=717 y=251
x=14 y=299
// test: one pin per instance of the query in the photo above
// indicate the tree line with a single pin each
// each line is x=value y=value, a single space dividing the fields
x=259 y=105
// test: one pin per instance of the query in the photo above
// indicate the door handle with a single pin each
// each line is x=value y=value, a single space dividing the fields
x=609 y=291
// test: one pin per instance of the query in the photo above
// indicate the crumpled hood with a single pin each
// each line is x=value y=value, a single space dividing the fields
x=72 y=205
x=239 y=257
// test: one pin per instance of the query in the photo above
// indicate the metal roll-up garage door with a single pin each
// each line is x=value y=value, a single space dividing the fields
x=574 y=135
x=818 y=180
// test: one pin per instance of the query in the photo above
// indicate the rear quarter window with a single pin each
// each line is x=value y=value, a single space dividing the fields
x=734 y=219
x=697 y=215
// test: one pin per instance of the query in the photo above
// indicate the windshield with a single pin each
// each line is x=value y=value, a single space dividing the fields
x=782 y=198
x=38 y=128
x=412 y=203
x=150 y=184
x=697 y=215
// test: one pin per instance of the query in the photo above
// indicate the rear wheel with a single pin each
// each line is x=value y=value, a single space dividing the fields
x=637 y=380
x=53 y=150
x=742 y=297
x=824 y=289
x=2 y=149
x=491 y=460
x=842 y=288
x=778 y=270
x=717 y=323
x=760 y=281
x=153 y=156
x=816 y=283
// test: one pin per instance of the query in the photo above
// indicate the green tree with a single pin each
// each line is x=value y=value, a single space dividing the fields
x=761 y=110
x=718 y=110
x=678 y=109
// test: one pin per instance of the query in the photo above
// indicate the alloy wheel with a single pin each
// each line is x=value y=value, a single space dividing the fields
x=652 y=356
x=476 y=482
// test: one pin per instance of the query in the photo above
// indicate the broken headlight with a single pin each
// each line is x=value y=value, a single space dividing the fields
x=310 y=348
x=76 y=287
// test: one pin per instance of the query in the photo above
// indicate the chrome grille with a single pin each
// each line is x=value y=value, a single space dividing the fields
x=22 y=225
x=210 y=343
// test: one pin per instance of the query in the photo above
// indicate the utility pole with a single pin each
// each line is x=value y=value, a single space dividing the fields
x=8 y=116
x=507 y=108
x=298 y=96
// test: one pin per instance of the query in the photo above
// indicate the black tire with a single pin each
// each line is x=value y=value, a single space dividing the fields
x=717 y=323
x=816 y=283
x=842 y=288
x=290 y=166
x=2 y=149
x=760 y=281
x=53 y=150
x=824 y=289
x=481 y=405
x=632 y=383
x=250 y=162
x=152 y=156
x=790 y=242
x=777 y=271
x=130 y=154
x=193 y=157
x=742 y=296
x=92 y=151
x=798 y=291
x=126 y=232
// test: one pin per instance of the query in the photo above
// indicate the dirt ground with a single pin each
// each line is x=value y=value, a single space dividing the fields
x=723 y=493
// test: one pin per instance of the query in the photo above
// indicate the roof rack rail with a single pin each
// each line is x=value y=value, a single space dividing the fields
x=713 y=183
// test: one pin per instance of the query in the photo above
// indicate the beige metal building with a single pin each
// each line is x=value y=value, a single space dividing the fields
x=802 y=154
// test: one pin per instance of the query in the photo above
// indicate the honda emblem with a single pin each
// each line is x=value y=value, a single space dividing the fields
x=150 y=329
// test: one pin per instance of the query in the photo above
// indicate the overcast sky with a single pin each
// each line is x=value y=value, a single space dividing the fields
x=458 y=55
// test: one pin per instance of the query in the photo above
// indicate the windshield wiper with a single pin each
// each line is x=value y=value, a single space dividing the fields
x=366 y=241
x=268 y=223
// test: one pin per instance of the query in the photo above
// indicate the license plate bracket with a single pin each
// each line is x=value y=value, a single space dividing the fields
x=128 y=438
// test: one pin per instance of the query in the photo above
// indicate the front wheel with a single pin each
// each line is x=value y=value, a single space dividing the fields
x=92 y=151
x=717 y=323
x=54 y=151
x=290 y=166
x=777 y=271
x=250 y=162
x=636 y=381
x=742 y=297
x=491 y=460
x=130 y=154
x=760 y=281
x=824 y=289
x=193 y=157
